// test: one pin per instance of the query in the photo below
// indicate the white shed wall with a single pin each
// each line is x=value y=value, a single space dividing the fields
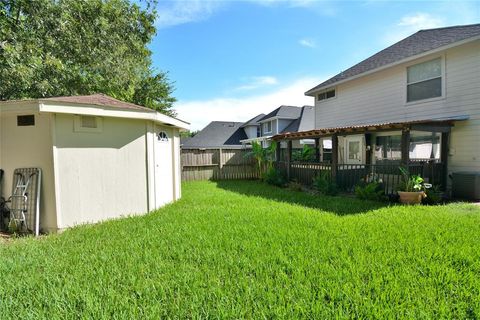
x=29 y=146
x=100 y=175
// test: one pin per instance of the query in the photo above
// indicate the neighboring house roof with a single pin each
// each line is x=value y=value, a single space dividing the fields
x=286 y=112
x=305 y=122
x=217 y=134
x=418 y=43
x=95 y=104
x=254 y=120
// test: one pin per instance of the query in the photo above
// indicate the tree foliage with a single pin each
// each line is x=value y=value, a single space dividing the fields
x=69 y=47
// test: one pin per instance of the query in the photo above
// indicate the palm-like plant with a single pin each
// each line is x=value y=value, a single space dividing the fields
x=264 y=157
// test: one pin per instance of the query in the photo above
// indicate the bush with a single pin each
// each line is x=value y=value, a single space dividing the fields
x=294 y=186
x=370 y=191
x=275 y=177
x=324 y=184
x=434 y=196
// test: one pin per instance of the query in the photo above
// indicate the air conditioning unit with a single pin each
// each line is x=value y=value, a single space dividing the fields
x=466 y=185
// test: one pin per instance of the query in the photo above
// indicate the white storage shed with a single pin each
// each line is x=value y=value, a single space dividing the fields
x=100 y=157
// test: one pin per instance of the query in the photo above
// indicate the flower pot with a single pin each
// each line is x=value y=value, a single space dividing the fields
x=411 y=197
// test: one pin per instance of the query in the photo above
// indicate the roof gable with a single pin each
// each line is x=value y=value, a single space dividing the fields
x=421 y=42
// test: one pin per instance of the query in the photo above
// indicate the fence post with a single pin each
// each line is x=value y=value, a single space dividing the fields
x=220 y=163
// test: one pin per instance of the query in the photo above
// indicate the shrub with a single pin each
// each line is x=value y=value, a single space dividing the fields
x=306 y=154
x=275 y=177
x=324 y=184
x=434 y=196
x=295 y=185
x=370 y=191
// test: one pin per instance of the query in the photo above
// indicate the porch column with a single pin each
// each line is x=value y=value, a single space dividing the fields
x=334 y=156
x=317 y=149
x=405 y=146
x=444 y=150
x=289 y=157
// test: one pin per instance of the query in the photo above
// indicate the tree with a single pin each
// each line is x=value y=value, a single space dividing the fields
x=68 y=47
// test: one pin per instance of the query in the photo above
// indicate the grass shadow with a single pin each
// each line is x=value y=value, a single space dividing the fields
x=339 y=205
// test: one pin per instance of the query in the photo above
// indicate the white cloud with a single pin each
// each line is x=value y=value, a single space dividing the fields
x=258 y=82
x=202 y=112
x=409 y=24
x=171 y=13
x=307 y=43
x=420 y=21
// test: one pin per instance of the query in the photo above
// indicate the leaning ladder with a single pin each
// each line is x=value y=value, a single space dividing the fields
x=24 y=202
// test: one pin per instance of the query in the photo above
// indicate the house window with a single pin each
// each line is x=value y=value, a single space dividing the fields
x=327 y=94
x=259 y=133
x=85 y=123
x=267 y=127
x=424 y=80
x=27 y=120
x=388 y=148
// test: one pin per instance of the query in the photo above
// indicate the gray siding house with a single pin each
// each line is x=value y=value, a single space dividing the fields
x=415 y=101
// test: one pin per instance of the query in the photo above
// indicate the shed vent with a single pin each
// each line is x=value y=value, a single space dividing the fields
x=466 y=185
x=89 y=122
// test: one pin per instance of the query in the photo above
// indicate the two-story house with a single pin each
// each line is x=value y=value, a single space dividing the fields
x=284 y=119
x=417 y=100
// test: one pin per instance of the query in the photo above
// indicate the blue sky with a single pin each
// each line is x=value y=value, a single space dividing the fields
x=231 y=60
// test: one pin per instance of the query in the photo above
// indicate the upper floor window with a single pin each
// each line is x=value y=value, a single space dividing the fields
x=424 y=80
x=327 y=94
x=267 y=127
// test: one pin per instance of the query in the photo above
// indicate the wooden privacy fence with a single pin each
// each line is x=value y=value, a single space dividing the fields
x=217 y=164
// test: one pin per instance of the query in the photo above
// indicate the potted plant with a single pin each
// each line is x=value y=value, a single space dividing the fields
x=412 y=188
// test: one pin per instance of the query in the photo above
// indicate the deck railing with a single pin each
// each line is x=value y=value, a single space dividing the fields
x=350 y=175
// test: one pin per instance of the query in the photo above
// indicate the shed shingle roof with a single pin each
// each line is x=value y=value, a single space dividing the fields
x=99 y=99
x=418 y=43
x=217 y=134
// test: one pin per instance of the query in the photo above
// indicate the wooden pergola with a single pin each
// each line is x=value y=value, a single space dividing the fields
x=442 y=126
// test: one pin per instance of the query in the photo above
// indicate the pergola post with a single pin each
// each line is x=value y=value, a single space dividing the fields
x=317 y=149
x=289 y=157
x=334 y=156
x=278 y=151
x=368 y=151
x=405 y=146
x=444 y=150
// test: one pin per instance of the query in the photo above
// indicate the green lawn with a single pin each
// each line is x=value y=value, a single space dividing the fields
x=242 y=249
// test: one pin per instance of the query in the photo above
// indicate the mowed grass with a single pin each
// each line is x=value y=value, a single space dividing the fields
x=242 y=249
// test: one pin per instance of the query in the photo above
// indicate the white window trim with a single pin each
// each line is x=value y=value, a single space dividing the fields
x=77 y=124
x=405 y=82
x=266 y=124
x=327 y=99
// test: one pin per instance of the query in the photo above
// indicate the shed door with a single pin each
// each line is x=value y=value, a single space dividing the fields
x=163 y=166
x=354 y=150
